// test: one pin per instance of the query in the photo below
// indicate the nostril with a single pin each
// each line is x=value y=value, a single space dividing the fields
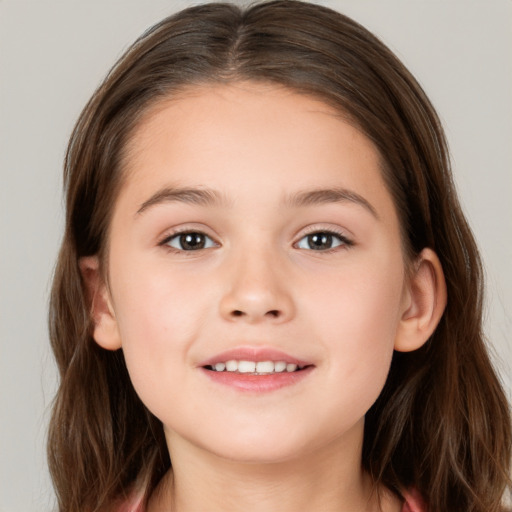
x=273 y=313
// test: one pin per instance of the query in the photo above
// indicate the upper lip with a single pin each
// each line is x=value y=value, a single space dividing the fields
x=256 y=354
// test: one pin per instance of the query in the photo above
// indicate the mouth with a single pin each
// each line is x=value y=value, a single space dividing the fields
x=256 y=369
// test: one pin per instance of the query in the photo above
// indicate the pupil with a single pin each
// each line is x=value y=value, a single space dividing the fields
x=320 y=241
x=192 y=241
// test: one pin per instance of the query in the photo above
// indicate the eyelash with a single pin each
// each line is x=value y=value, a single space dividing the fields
x=344 y=241
x=165 y=242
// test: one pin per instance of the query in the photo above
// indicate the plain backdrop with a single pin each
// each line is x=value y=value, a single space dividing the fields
x=53 y=55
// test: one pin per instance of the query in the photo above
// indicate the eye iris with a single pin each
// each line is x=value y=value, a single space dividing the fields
x=192 y=241
x=319 y=241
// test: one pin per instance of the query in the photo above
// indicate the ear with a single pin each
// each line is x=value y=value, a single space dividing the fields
x=424 y=302
x=105 y=332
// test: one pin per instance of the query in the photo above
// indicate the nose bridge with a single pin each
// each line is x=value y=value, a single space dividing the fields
x=257 y=288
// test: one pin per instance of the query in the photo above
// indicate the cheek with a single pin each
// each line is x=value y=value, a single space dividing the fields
x=357 y=316
x=153 y=302
x=158 y=318
x=362 y=301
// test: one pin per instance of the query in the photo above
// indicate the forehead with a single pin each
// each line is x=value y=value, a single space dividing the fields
x=210 y=129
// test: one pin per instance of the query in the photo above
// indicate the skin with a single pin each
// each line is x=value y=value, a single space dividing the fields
x=259 y=284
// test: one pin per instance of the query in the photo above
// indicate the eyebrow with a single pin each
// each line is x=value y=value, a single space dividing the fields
x=330 y=195
x=197 y=196
x=210 y=197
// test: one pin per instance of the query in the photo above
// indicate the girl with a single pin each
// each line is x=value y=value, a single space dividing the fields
x=267 y=297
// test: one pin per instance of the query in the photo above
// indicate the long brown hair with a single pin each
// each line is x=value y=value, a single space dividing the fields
x=442 y=422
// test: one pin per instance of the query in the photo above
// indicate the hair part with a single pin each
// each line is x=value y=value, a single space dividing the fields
x=442 y=422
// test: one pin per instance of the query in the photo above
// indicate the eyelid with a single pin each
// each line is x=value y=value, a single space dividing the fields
x=325 y=228
x=347 y=240
x=170 y=234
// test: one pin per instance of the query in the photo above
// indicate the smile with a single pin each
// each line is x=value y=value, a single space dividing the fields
x=254 y=367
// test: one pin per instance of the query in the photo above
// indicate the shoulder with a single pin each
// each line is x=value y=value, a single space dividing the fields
x=413 y=502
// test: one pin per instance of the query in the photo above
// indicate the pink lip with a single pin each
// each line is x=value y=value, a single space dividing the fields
x=251 y=383
x=247 y=382
x=256 y=354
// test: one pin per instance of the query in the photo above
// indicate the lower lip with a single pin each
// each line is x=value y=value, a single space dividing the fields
x=258 y=383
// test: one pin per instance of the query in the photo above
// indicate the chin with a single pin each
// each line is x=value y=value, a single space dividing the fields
x=260 y=445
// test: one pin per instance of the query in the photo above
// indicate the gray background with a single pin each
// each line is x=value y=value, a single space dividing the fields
x=53 y=55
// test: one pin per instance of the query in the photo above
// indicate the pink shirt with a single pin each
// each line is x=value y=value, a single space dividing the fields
x=413 y=502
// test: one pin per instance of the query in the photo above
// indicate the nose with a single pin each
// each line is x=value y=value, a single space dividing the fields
x=258 y=290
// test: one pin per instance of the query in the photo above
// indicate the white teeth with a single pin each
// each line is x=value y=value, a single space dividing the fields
x=246 y=366
x=280 y=366
x=232 y=366
x=260 y=367
x=265 y=367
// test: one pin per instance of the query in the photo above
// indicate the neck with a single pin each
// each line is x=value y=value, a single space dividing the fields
x=330 y=478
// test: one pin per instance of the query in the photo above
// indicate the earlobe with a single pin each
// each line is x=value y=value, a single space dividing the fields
x=105 y=328
x=426 y=302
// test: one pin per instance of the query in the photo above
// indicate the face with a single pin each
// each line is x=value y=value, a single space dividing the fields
x=254 y=226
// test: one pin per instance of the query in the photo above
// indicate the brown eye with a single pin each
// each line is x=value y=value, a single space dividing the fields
x=322 y=241
x=190 y=241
